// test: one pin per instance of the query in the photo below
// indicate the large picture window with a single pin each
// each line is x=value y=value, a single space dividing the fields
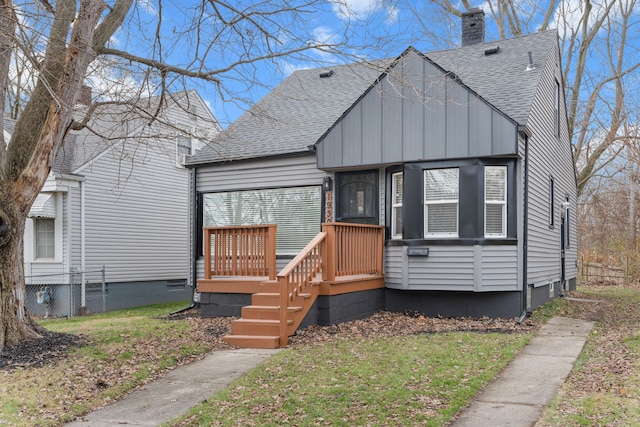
x=296 y=211
x=441 y=194
x=495 y=201
x=396 y=206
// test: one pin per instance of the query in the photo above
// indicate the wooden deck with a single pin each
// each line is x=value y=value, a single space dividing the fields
x=342 y=258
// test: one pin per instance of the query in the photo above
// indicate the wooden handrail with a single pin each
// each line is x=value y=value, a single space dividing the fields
x=352 y=249
x=296 y=278
x=240 y=250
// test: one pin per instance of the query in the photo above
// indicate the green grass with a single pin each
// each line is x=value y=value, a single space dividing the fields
x=124 y=349
x=407 y=380
x=604 y=386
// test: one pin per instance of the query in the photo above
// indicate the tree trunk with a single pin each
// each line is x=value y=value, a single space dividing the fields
x=14 y=317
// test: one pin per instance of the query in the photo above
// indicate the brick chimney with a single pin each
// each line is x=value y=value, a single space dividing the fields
x=473 y=27
x=85 y=96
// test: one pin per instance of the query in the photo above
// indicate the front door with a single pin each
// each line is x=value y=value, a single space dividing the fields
x=563 y=245
x=357 y=197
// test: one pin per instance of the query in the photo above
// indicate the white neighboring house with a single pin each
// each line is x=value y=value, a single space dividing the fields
x=118 y=196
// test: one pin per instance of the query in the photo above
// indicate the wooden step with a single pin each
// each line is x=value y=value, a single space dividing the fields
x=273 y=299
x=266 y=312
x=257 y=327
x=270 y=286
x=252 y=341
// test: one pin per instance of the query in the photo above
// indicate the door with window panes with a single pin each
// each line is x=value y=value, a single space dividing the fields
x=357 y=197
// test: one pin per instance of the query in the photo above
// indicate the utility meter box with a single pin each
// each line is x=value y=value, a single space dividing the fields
x=43 y=296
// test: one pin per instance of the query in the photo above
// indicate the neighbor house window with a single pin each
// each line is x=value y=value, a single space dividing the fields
x=551 y=202
x=296 y=211
x=45 y=238
x=397 y=226
x=495 y=201
x=441 y=193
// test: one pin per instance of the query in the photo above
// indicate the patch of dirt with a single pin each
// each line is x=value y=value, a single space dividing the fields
x=35 y=353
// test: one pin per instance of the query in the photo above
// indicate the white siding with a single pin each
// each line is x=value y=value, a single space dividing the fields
x=453 y=268
x=393 y=274
x=136 y=216
x=499 y=268
x=549 y=156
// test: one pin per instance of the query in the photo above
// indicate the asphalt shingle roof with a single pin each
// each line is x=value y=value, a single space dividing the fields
x=299 y=111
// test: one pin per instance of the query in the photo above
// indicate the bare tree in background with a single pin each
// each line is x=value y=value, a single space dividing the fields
x=600 y=57
x=215 y=42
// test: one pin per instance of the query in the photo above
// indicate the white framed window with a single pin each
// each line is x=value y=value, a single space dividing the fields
x=441 y=196
x=45 y=238
x=495 y=201
x=184 y=149
x=397 y=225
x=270 y=206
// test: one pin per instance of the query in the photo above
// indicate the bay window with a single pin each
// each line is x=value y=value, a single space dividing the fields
x=441 y=195
x=396 y=205
x=495 y=201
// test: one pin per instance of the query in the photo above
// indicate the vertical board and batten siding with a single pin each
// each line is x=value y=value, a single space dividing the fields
x=259 y=174
x=416 y=113
x=549 y=156
x=136 y=216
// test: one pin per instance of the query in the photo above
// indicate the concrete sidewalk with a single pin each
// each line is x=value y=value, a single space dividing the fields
x=174 y=394
x=519 y=394
x=515 y=399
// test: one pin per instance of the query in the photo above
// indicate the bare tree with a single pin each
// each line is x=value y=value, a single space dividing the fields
x=215 y=42
x=599 y=59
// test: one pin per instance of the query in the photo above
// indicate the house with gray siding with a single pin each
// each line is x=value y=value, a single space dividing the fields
x=460 y=159
x=117 y=197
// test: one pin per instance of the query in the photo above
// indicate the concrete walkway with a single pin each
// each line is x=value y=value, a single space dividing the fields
x=515 y=399
x=519 y=394
x=176 y=393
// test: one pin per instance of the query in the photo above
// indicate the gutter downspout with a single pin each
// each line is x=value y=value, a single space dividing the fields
x=83 y=295
x=194 y=245
x=525 y=228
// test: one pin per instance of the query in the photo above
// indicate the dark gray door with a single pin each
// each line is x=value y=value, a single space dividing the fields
x=357 y=197
x=563 y=245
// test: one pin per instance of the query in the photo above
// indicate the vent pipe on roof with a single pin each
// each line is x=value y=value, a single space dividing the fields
x=472 y=27
x=85 y=97
x=530 y=66
x=326 y=74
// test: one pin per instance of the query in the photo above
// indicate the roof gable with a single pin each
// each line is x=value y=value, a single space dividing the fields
x=305 y=107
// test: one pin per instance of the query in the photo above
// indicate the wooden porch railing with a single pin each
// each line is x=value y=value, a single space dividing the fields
x=352 y=249
x=295 y=279
x=338 y=251
x=242 y=250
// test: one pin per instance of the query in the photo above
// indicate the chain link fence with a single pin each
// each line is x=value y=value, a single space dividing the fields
x=77 y=293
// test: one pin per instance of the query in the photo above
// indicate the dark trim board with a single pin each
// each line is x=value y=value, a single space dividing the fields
x=341 y=308
x=138 y=294
x=455 y=304
x=225 y=305
x=117 y=296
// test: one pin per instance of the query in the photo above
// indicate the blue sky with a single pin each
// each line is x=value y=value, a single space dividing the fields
x=366 y=29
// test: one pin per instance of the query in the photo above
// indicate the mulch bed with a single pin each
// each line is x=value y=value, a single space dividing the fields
x=35 y=353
